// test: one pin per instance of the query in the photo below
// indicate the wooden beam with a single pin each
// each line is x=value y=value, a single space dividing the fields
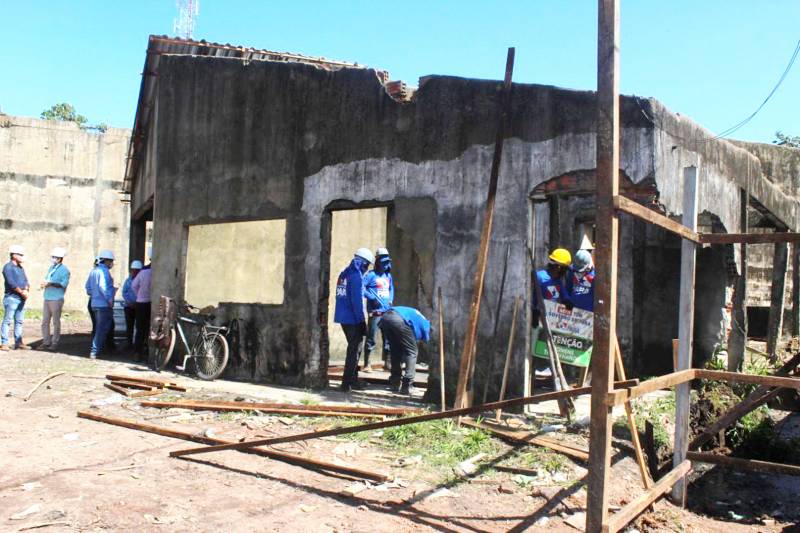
x=648 y=215
x=470 y=337
x=147 y=381
x=685 y=330
x=272 y=454
x=134 y=385
x=637 y=445
x=442 y=390
x=299 y=411
x=622 y=518
x=749 y=238
x=453 y=413
x=528 y=437
x=509 y=350
x=666 y=381
x=737 y=463
x=736 y=377
x=263 y=406
x=606 y=262
x=777 y=297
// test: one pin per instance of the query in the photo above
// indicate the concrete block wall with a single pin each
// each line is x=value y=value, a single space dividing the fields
x=58 y=187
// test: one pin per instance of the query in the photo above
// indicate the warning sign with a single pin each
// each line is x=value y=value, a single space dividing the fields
x=572 y=334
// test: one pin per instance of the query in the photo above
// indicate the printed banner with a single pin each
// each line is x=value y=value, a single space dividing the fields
x=572 y=334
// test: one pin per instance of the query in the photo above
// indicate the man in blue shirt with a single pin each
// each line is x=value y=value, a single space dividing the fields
x=379 y=291
x=54 y=285
x=349 y=312
x=16 y=293
x=129 y=296
x=579 y=284
x=551 y=280
x=100 y=288
x=404 y=327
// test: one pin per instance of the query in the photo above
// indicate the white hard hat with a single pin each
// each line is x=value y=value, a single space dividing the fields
x=137 y=265
x=58 y=252
x=105 y=254
x=365 y=254
x=16 y=249
x=381 y=251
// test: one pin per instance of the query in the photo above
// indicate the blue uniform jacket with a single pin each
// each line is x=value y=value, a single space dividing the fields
x=379 y=290
x=349 y=296
x=416 y=321
x=128 y=294
x=100 y=287
x=57 y=273
x=579 y=289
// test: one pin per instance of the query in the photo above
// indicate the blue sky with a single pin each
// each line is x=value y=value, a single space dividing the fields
x=713 y=60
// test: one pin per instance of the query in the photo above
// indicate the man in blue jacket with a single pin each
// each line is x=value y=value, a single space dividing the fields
x=129 y=297
x=16 y=294
x=379 y=291
x=404 y=327
x=100 y=288
x=349 y=313
x=579 y=285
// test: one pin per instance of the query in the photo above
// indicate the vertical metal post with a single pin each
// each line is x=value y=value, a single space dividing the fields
x=605 y=306
x=685 y=329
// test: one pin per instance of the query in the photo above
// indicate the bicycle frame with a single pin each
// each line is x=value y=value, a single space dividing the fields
x=201 y=334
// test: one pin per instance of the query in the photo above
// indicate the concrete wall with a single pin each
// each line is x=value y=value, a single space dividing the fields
x=58 y=187
x=245 y=140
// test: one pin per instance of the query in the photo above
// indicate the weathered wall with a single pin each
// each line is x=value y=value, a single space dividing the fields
x=58 y=187
x=252 y=140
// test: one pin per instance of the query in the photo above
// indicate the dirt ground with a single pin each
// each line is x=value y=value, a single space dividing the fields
x=62 y=473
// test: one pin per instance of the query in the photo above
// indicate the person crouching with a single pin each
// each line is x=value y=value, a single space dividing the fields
x=404 y=327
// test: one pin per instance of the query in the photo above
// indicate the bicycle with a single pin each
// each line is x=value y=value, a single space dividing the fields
x=209 y=350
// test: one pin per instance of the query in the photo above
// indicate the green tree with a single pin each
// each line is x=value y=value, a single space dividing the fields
x=65 y=113
x=781 y=139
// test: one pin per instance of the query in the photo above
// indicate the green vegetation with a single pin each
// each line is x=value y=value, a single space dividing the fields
x=65 y=112
x=782 y=139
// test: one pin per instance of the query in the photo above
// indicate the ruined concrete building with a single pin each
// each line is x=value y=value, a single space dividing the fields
x=244 y=159
x=59 y=186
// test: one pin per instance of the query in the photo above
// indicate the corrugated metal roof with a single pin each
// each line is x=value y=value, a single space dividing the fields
x=162 y=45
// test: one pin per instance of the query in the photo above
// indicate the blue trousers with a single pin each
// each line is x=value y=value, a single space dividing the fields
x=369 y=344
x=104 y=317
x=14 y=308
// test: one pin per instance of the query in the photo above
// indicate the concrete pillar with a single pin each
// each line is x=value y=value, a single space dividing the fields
x=138 y=236
x=738 y=337
x=777 y=296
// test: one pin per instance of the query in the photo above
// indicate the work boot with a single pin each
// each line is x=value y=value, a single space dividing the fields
x=358 y=385
x=406 y=389
x=22 y=346
x=394 y=385
x=4 y=348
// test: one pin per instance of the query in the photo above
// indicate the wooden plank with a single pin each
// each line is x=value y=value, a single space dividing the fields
x=622 y=518
x=749 y=238
x=527 y=437
x=117 y=389
x=771 y=381
x=453 y=413
x=134 y=385
x=419 y=383
x=651 y=385
x=442 y=390
x=261 y=406
x=648 y=215
x=272 y=454
x=147 y=381
x=606 y=262
x=470 y=337
x=685 y=330
x=737 y=340
x=299 y=411
x=751 y=465
x=637 y=445
x=777 y=297
x=756 y=398
x=509 y=350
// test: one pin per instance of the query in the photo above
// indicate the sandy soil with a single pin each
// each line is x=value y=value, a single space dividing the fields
x=71 y=474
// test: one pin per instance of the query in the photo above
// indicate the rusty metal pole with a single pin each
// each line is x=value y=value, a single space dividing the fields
x=605 y=306
x=483 y=249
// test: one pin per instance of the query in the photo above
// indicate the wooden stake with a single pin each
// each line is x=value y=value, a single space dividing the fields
x=508 y=355
x=492 y=356
x=442 y=389
x=685 y=330
x=272 y=454
x=483 y=248
x=605 y=296
x=454 y=413
x=637 y=445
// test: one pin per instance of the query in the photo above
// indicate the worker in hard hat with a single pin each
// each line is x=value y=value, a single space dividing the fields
x=404 y=327
x=141 y=285
x=551 y=279
x=579 y=283
x=16 y=294
x=100 y=288
x=55 y=285
x=349 y=312
x=129 y=300
x=379 y=292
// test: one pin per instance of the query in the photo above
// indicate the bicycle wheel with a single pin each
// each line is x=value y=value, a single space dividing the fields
x=210 y=356
x=163 y=351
